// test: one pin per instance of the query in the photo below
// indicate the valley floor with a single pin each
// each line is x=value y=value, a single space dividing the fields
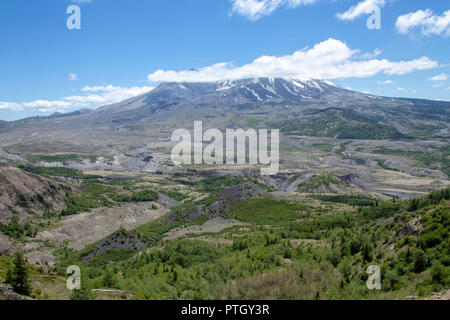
x=141 y=228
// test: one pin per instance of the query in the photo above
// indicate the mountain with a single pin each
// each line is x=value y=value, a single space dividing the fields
x=236 y=95
x=42 y=119
x=71 y=114
x=263 y=101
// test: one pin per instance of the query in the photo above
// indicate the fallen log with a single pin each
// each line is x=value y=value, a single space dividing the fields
x=113 y=291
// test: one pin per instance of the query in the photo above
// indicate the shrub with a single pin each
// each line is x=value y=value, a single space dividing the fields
x=420 y=261
x=355 y=246
x=438 y=273
x=109 y=279
x=334 y=257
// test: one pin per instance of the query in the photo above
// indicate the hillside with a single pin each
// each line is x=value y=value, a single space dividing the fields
x=341 y=124
x=232 y=236
x=278 y=249
x=24 y=194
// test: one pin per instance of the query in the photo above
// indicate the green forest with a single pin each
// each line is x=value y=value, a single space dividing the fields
x=287 y=250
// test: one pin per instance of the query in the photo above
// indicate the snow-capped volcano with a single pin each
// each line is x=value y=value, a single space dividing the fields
x=269 y=88
x=257 y=89
x=234 y=102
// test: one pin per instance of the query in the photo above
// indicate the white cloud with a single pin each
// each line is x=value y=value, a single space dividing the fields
x=372 y=55
x=438 y=85
x=255 y=9
x=57 y=104
x=362 y=8
x=448 y=88
x=428 y=22
x=401 y=89
x=108 y=88
x=73 y=76
x=103 y=95
x=330 y=59
x=12 y=106
x=439 y=77
x=385 y=82
x=106 y=95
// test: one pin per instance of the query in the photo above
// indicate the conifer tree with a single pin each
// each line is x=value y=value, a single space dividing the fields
x=20 y=281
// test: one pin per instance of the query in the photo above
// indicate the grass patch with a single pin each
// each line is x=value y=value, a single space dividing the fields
x=14 y=230
x=267 y=211
x=111 y=256
x=153 y=232
x=141 y=196
x=347 y=199
x=93 y=196
x=253 y=123
x=178 y=196
x=214 y=184
x=318 y=181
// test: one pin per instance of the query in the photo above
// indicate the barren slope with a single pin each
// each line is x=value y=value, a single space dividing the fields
x=24 y=194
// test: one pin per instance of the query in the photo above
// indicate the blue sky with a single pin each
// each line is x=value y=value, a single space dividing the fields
x=45 y=67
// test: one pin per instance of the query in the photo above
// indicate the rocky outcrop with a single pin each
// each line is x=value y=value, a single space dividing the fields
x=6 y=247
x=219 y=208
x=413 y=227
x=120 y=240
x=8 y=294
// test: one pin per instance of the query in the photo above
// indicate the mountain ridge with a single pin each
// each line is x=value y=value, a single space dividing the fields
x=231 y=102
